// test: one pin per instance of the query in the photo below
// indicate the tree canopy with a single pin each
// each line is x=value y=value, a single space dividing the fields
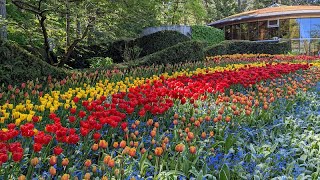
x=58 y=26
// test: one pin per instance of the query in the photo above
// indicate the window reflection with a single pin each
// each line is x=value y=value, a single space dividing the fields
x=284 y=31
x=294 y=29
x=304 y=33
x=253 y=31
x=244 y=31
x=304 y=27
x=273 y=32
x=228 y=32
x=263 y=31
x=315 y=28
x=236 y=32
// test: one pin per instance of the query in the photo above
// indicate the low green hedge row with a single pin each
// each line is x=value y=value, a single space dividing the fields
x=249 y=47
x=18 y=65
x=182 y=52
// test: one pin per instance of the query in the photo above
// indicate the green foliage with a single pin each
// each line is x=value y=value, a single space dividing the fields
x=130 y=53
x=249 y=47
x=100 y=62
x=81 y=55
x=18 y=65
x=126 y=50
x=158 y=41
x=207 y=34
x=182 y=52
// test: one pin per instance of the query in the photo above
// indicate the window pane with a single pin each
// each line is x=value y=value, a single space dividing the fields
x=228 y=32
x=304 y=27
x=236 y=31
x=273 y=32
x=295 y=45
x=284 y=29
x=314 y=47
x=315 y=27
x=244 y=31
x=253 y=31
x=263 y=30
x=294 y=29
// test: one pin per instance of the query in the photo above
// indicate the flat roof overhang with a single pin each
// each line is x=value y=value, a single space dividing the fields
x=266 y=16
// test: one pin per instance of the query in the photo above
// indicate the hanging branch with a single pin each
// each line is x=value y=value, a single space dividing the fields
x=76 y=42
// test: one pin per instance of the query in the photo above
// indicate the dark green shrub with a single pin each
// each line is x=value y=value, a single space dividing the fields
x=81 y=54
x=18 y=65
x=249 y=47
x=182 y=52
x=126 y=49
x=158 y=41
x=207 y=34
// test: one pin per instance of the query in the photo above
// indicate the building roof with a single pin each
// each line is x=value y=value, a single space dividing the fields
x=270 y=12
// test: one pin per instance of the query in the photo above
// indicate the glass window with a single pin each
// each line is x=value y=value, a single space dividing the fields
x=305 y=30
x=284 y=29
x=228 y=32
x=314 y=47
x=315 y=27
x=244 y=31
x=295 y=45
x=253 y=31
x=263 y=30
x=273 y=32
x=294 y=29
x=236 y=31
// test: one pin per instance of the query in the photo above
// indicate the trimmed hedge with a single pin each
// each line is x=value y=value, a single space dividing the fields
x=249 y=47
x=149 y=44
x=158 y=41
x=207 y=34
x=79 y=58
x=18 y=65
x=182 y=52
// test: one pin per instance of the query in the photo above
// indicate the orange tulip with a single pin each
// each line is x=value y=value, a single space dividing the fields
x=132 y=152
x=192 y=149
x=158 y=151
x=87 y=163
x=179 y=147
x=123 y=144
x=103 y=144
x=52 y=171
x=94 y=147
x=115 y=144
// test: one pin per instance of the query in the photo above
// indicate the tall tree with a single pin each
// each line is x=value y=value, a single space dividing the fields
x=40 y=11
x=3 y=14
x=225 y=8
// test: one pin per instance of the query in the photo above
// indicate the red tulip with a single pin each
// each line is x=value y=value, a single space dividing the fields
x=57 y=150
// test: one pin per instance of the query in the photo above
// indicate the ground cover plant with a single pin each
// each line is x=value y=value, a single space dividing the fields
x=229 y=117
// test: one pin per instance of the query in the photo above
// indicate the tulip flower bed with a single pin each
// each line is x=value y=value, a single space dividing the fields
x=254 y=119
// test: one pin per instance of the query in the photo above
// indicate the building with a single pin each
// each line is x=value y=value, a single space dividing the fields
x=299 y=24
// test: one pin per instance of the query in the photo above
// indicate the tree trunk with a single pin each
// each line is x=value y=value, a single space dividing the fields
x=90 y=34
x=74 y=44
x=45 y=38
x=78 y=27
x=68 y=21
x=3 y=13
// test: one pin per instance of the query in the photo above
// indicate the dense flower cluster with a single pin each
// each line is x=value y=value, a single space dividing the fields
x=51 y=130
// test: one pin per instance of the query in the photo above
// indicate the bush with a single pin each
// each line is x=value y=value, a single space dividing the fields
x=126 y=49
x=79 y=58
x=249 y=47
x=100 y=62
x=18 y=65
x=182 y=52
x=207 y=34
x=158 y=41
